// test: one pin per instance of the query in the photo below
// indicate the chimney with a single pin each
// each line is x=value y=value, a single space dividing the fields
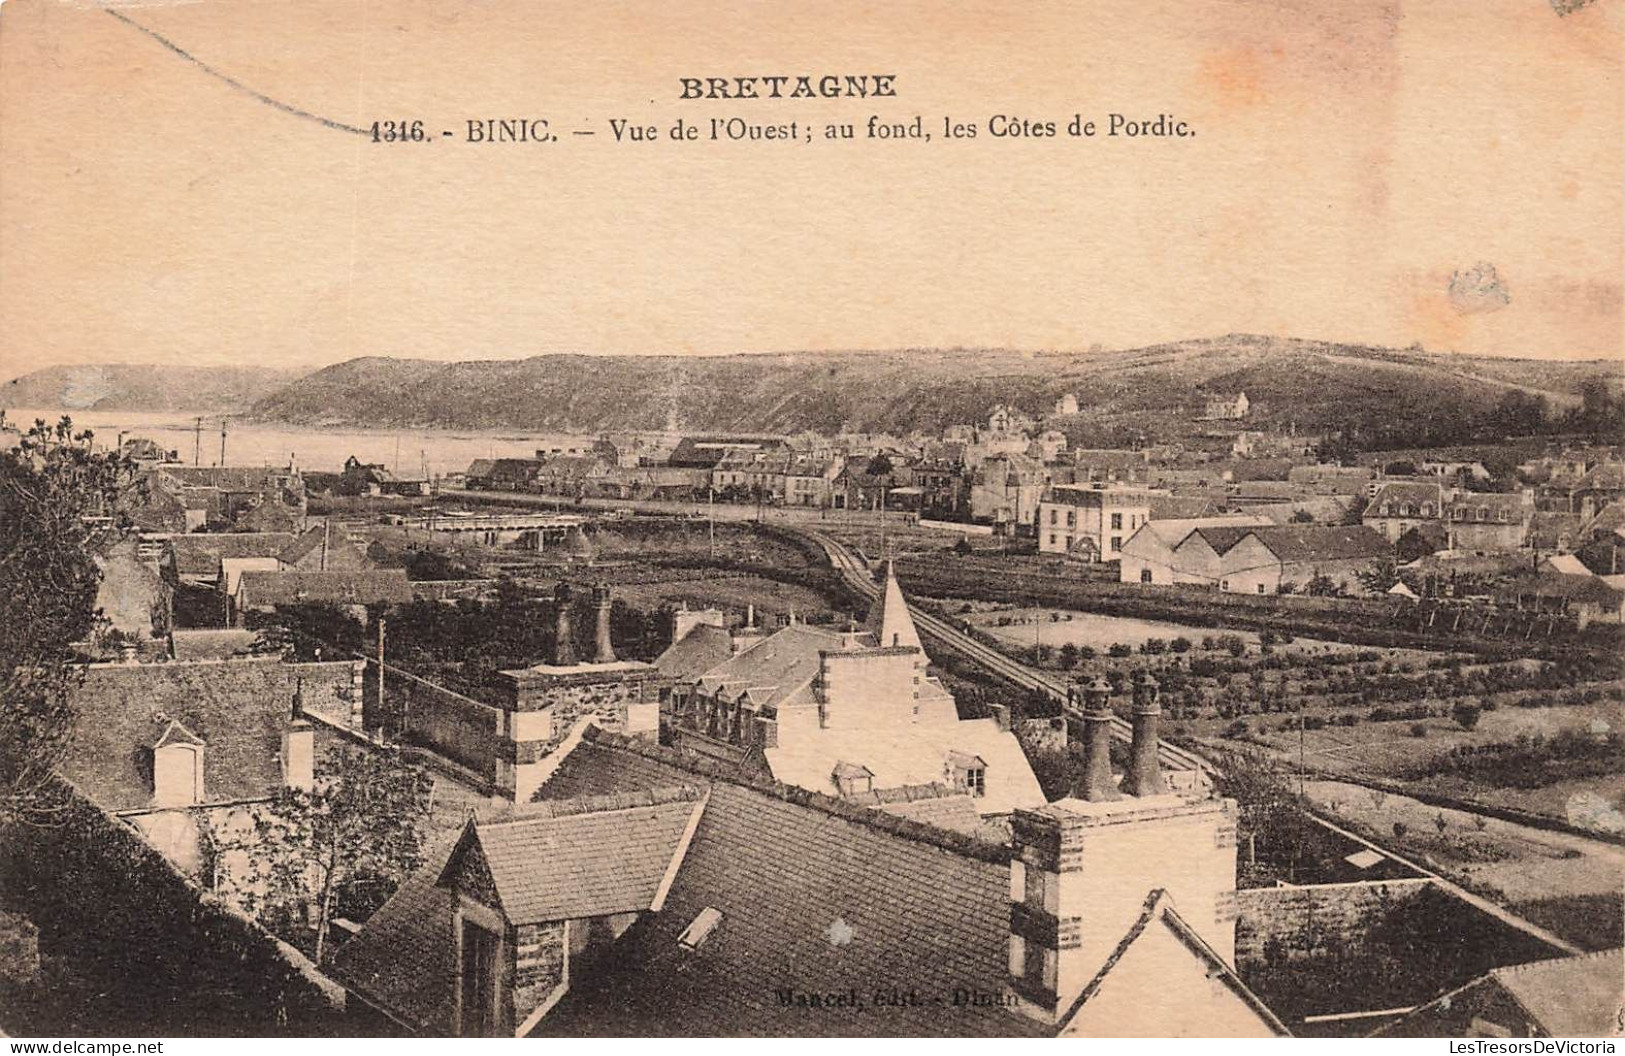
x=564 y=646
x=1095 y=784
x=1144 y=777
x=299 y=746
x=603 y=649
x=299 y=755
x=1001 y=715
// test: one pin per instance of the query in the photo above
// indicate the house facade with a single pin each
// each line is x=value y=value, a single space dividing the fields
x=1091 y=523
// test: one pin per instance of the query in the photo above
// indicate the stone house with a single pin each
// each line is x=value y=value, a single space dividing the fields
x=1090 y=522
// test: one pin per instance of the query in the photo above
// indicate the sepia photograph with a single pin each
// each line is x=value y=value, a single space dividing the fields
x=1007 y=519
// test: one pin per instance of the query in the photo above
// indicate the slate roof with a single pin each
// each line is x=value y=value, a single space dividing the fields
x=1397 y=492
x=888 y=619
x=1571 y=997
x=1308 y=543
x=702 y=648
x=238 y=708
x=1172 y=531
x=574 y=866
x=388 y=585
x=229 y=478
x=784 y=662
x=1606 y=476
x=200 y=554
x=871 y=902
x=1220 y=537
x=405 y=958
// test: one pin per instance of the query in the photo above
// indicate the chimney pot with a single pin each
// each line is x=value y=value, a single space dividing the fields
x=1144 y=777
x=564 y=648
x=603 y=649
x=1095 y=783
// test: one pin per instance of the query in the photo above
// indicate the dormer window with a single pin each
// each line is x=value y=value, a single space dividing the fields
x=177 y=768
x=968 y=773
x=700 y=928
x=853 y=779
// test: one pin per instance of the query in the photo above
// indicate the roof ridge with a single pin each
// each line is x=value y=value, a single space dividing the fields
x=963 y=844
x=604 y=803
x=1509 y=969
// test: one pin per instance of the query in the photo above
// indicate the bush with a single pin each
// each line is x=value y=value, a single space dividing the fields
x=1180 y=644
x=1419 y=729
x=1466 y=714
x=1118 y=649
x=1154 y=647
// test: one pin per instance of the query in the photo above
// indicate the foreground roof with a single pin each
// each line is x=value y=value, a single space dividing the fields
x=571 y=864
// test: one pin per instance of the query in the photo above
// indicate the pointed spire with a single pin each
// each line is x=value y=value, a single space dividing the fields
x=889 y=620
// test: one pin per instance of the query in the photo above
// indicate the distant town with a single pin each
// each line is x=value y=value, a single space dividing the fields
x=1248 y=727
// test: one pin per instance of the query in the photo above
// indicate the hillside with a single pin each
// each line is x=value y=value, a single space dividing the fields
x=144 y=387
x=1311 y=384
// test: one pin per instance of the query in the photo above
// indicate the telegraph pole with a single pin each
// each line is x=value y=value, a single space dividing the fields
x=380 y=671
x=197 y=442
x=222 y=442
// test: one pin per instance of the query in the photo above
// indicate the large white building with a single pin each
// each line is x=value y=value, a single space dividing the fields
x=849 y=714
x=1090 y=522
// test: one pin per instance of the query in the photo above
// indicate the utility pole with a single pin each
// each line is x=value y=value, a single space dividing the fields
x=711 y=517
x=222 y=442
x=381 y=671
x=197 y=442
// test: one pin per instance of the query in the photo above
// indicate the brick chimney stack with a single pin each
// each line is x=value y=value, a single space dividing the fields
x=1095 y=785
x=1144 y=777
x=603 y=648
x=564 y=646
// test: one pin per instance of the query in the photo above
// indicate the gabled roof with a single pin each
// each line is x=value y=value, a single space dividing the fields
x=870 y=900
x=1300 y=543
x=374 y=586
x=1606 y=476
x=1219 y=537
x=200 y=554
x=889 y=620
x=481 y=467
x=1172 y=531
x=784 y=662
x=581 y=861
x=701 y=649
x=1571 y=997
x=1159 y=912
x=1403 y=491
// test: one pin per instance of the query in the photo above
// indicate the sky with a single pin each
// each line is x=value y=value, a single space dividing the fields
x=1350 y=160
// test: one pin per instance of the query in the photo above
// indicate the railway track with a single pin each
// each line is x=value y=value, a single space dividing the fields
x=855 y=571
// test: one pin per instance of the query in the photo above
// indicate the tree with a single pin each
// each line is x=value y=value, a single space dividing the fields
x=1466 y=714
x=1301 y=517
x=366 y=820
x=59 y=507
x=879 y=466
x=1378 y=576
x=1321 y=586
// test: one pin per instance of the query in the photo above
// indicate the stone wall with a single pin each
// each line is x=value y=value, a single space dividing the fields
x=538 y=969
x=449 y=724
x=1304 y=922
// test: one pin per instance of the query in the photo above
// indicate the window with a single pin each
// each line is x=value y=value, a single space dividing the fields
x=1055 y=516
x=1145 y=575
x=1117 y=522
x=1117 y=543
x=1071 y=518
x=1261 y=588
x=1052 y=538
x=976 y=781
x=700 y=928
